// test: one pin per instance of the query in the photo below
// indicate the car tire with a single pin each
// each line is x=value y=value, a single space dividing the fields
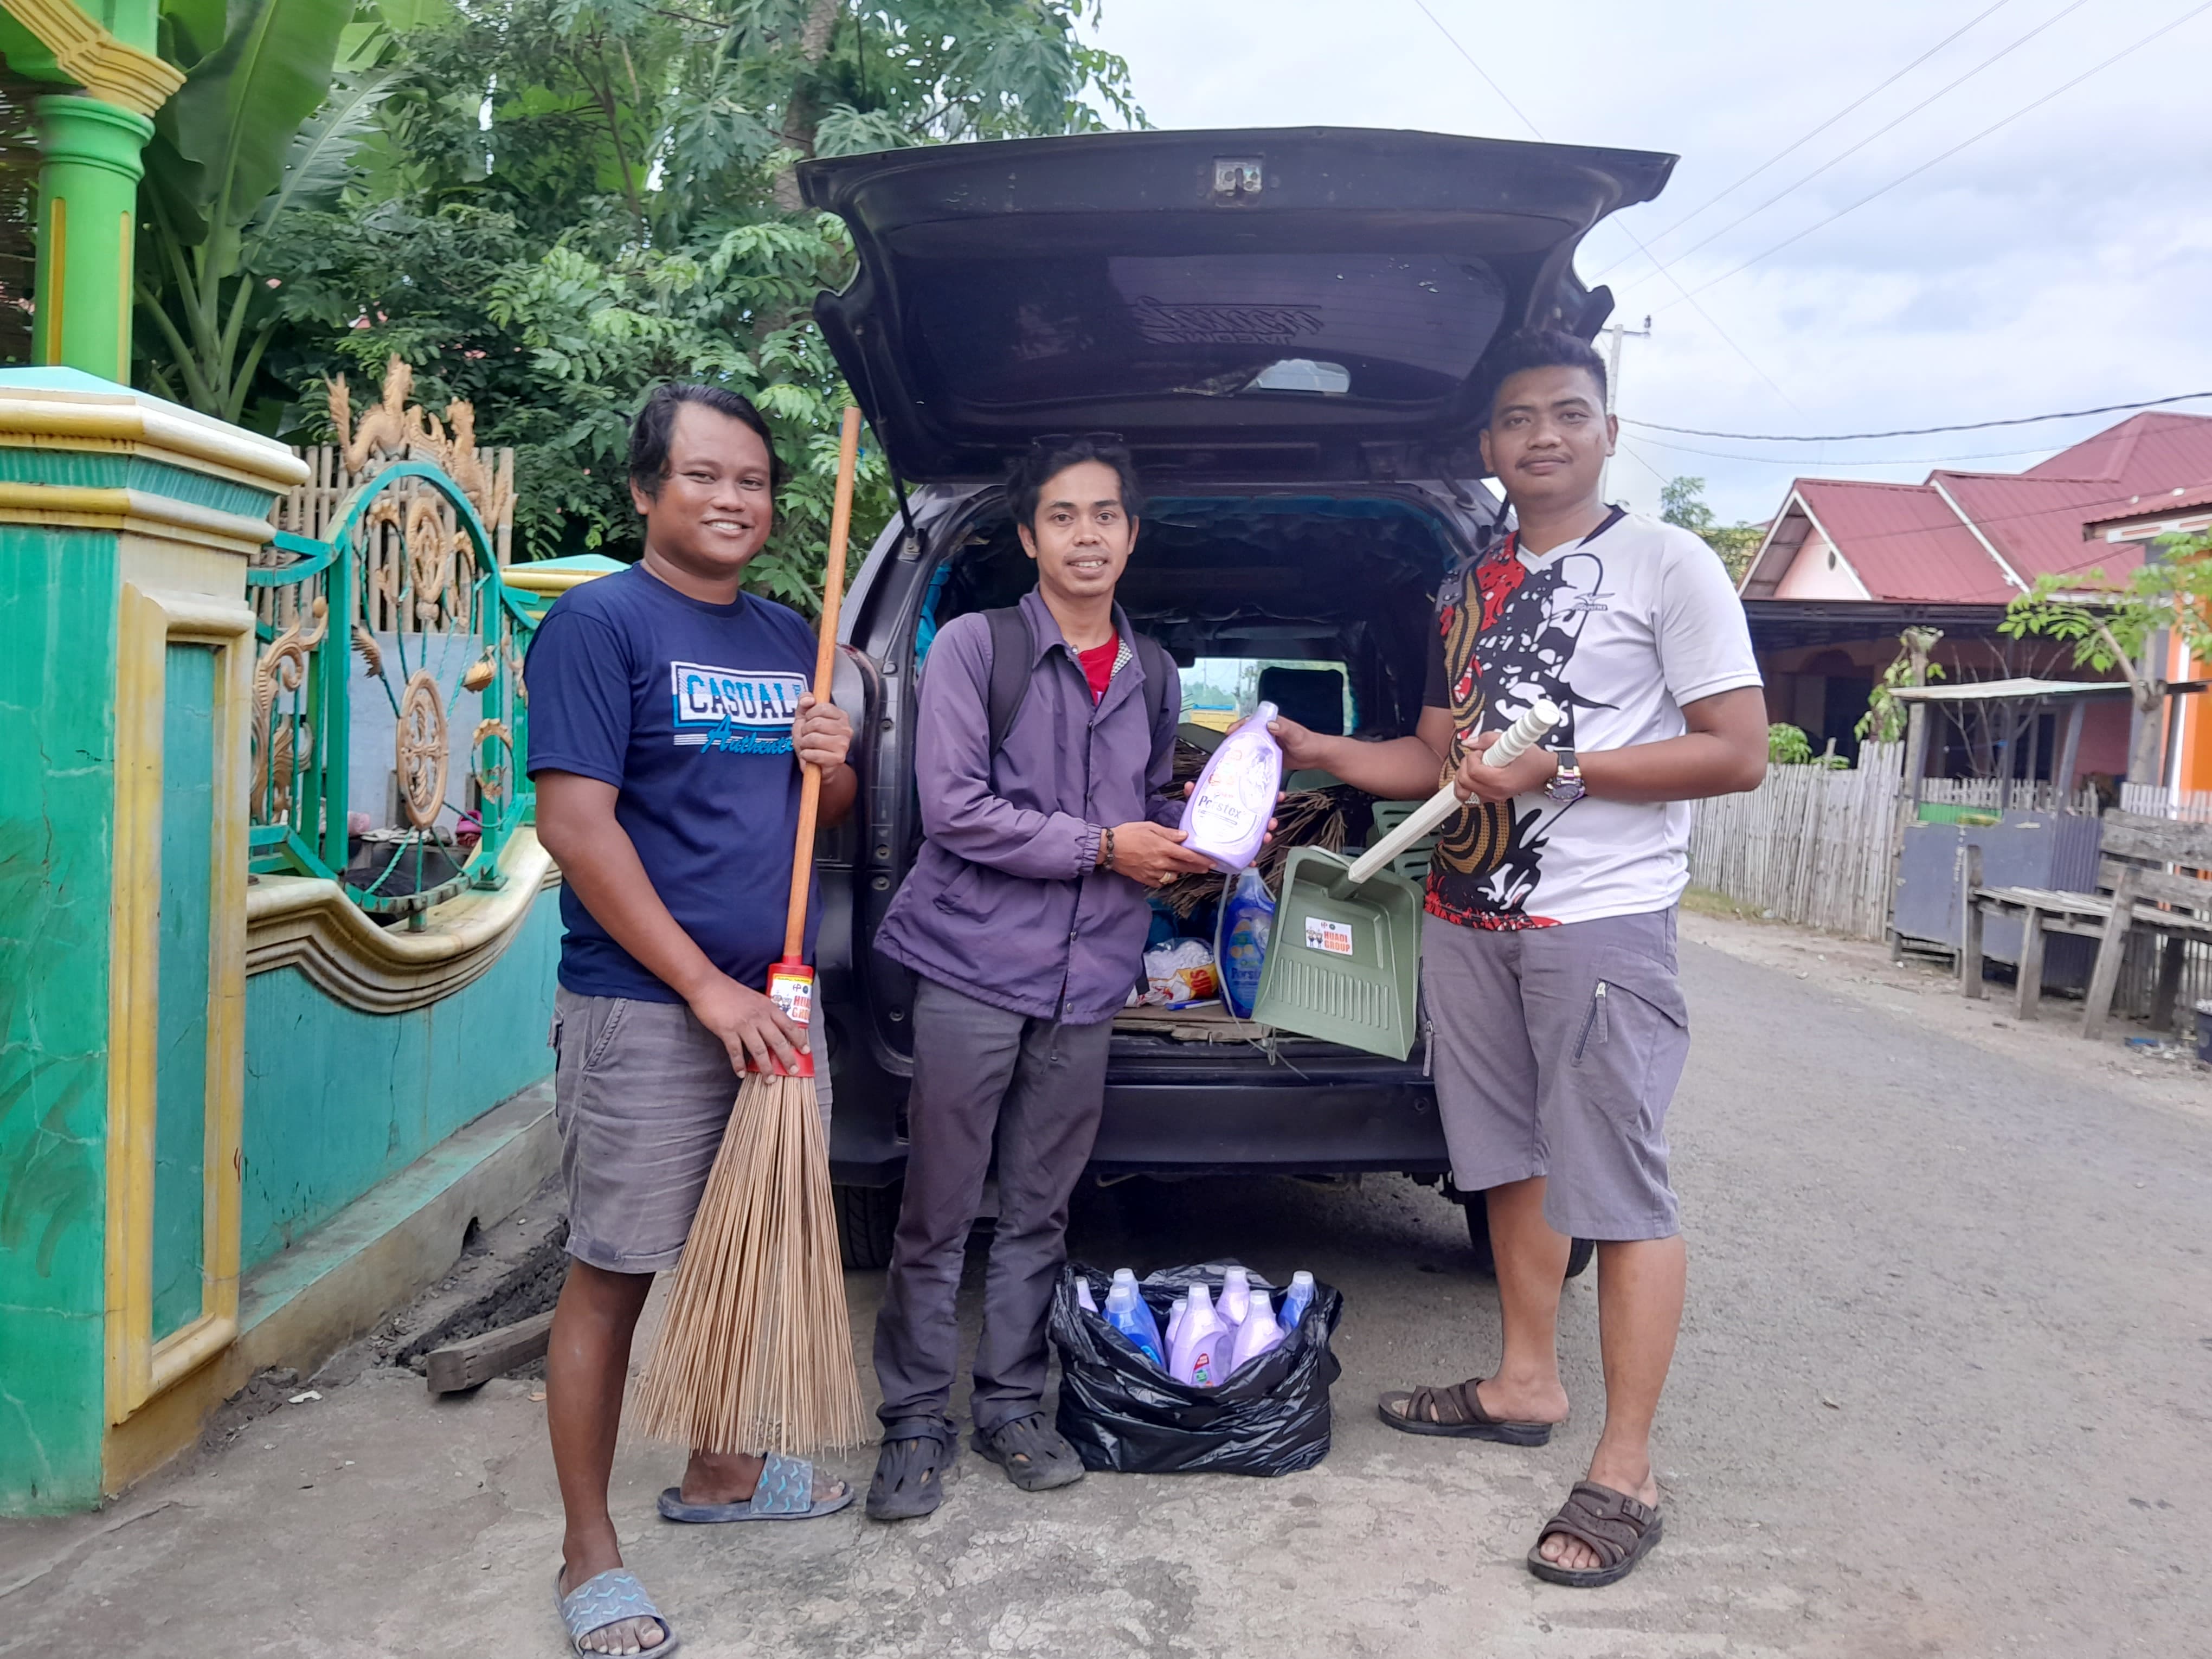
x=1478 y=1234
x=867 y=1217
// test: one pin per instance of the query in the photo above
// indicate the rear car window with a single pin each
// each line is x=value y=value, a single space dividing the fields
x=1382 y=327
x=1218 y=691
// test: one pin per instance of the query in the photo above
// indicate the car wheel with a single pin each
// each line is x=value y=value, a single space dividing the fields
x=867 y=1218
x=1478 y=1234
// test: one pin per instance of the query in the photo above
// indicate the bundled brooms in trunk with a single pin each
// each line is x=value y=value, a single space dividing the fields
x=1328 y=818
x=755 y=1353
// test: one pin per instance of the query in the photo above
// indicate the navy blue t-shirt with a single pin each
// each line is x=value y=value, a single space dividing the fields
x=686 y=708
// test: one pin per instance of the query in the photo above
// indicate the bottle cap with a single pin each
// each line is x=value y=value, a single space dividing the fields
x=1125 y=1275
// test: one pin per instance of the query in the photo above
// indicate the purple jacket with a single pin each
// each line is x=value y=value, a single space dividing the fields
x=1004 y=903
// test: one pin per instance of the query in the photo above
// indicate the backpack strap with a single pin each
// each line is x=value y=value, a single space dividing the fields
x=1013 y=653
x=1159 y=670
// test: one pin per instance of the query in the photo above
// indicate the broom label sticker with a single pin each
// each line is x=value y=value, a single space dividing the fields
x=794 y=994
x=1333 y=937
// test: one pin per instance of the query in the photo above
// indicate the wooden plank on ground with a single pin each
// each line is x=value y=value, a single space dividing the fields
x=477 y=1360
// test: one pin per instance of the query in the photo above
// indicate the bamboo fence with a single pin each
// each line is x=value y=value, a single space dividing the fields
x=1810 y=844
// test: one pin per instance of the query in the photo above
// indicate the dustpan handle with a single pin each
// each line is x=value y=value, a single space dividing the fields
x=825 y=667
x=1534 y=723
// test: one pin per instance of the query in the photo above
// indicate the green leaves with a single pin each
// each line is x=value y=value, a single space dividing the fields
x=549 y=207
x=231 y=124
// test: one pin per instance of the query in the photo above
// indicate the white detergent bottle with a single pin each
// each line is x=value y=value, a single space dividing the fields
x=1226 y=817
x=1296 y=1300
x=1235 y=1295
x=1258 y=1333
x=1083 y=1297
x=1174 y=1319
x=1200 y=1346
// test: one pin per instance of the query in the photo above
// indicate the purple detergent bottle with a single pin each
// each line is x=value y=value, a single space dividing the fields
x=1235 y=1295
x=1226 y=817
x=1202 y=1345
x=1256 y=1335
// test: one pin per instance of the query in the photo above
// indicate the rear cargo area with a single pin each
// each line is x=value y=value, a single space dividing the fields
x=1319 y=604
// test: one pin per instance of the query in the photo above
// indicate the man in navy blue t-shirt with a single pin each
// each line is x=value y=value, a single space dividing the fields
x=669 y=711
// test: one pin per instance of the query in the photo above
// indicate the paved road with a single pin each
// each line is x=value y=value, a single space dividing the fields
x=1945 y=1390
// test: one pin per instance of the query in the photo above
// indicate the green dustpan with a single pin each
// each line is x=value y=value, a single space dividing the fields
x=1344 y=957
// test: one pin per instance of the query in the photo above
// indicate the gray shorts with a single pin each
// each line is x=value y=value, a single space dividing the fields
x=1556 y=1051
x=641 y=1093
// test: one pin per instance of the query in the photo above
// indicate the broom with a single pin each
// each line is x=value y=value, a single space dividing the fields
x=757 y=1350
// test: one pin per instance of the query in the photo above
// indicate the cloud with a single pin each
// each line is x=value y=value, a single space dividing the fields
x=2059 y=262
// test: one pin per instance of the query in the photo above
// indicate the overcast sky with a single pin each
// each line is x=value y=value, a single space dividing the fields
x=2064 y=261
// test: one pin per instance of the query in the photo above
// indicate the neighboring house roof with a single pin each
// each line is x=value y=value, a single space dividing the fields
x=1983 y=537
x=2143 y=512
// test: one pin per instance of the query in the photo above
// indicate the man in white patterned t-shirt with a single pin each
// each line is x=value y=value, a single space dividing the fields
x=1559 y=1032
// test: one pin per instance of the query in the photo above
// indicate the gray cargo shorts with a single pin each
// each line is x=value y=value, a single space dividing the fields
x=1556 y=1051
x=641 y=1093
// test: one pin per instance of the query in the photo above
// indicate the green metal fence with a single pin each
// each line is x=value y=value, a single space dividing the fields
x=409 y=553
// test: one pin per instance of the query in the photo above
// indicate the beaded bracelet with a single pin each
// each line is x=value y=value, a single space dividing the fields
x=1106 y=861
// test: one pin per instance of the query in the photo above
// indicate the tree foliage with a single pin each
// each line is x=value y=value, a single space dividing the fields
x=2122 y=624
x=1682 y=502
x=551 y=206
x=265 y=125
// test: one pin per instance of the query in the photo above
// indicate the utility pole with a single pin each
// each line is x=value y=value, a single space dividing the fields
x=1615 y=333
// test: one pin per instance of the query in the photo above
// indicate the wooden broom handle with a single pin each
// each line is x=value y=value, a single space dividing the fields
x=825 y=668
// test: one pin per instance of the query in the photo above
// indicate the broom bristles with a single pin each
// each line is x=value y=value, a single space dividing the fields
x=756 y=1351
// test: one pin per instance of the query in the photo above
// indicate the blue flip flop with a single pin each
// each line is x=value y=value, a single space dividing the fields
x=608 y=1598
x=786 y=1492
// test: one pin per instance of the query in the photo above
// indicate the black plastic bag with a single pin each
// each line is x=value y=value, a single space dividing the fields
x=1122 y=1412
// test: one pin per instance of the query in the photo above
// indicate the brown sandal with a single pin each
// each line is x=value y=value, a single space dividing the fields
x=1456 y=1411
x=1616 y=1526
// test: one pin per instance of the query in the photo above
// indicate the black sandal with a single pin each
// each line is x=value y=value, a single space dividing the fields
x=909 y=1478
x=1031 y=1451
x=1617 y=1527
x=1455 y=1411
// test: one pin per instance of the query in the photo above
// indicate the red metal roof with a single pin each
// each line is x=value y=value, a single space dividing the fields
x=2165 y=505
x=1906 y=542
x=1903 y=541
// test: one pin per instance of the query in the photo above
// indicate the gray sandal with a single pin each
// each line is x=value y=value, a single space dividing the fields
x=910 y=1470
x=786 y=1492
x=608 y=1598
x=1031 y=1451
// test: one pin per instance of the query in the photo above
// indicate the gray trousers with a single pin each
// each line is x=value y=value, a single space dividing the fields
x=1039 y=1087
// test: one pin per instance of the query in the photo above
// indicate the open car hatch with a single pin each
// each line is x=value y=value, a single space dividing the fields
x=1307 y=303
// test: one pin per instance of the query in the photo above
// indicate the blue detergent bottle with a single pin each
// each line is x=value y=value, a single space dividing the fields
x=1240 y=940
x=1127 y=1312
x=1296 y=1301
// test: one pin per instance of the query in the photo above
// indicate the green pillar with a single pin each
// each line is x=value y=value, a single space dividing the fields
x=87 y=209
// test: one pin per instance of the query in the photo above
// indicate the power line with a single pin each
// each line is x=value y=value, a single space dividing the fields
x=1478 y=69
x=1786 y=241
x=1922 y=431
x=1846 y=110
x=1821 y=460
x=1886 y=127
x=1684 y=294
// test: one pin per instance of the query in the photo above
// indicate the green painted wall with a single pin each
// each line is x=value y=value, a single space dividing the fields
x=57 y=811
x=338 y=1100
x=181 y=1026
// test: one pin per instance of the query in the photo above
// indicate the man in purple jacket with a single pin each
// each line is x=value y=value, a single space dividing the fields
x=1024 y=919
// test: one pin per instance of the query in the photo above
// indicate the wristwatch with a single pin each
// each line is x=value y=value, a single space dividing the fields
x=1566 y=784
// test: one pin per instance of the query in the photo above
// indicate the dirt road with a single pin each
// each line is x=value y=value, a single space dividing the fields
x=1946 y=1388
